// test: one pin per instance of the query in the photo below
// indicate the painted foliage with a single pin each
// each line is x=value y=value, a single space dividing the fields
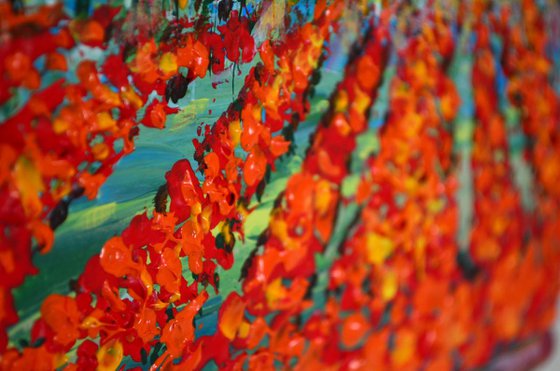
x=278 y=184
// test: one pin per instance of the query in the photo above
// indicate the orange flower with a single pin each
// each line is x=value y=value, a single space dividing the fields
x=354 y=328
x=62 y=316
x=231 y=315
x=180 y=331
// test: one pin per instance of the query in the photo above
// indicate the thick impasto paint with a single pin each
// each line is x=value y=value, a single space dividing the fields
x=240 y=184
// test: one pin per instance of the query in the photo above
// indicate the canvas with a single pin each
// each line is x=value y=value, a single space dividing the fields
x=246 y=184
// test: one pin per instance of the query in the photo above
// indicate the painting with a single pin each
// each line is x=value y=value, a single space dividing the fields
x=283 y=184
